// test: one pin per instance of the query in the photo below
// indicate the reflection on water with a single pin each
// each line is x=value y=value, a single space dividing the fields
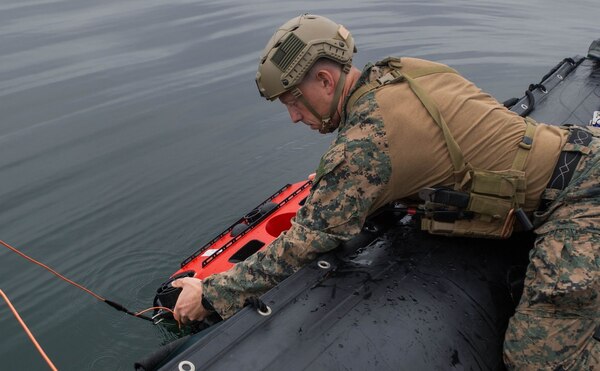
x=131 y=132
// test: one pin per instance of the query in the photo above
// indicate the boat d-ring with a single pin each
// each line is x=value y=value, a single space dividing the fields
x=266 y=312
x=324 y=264
x=186 y=366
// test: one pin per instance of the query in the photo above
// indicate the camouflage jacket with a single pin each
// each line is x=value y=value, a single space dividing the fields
x=387 y=148
x=348 y=180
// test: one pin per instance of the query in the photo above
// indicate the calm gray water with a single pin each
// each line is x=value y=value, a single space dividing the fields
x=131 y=132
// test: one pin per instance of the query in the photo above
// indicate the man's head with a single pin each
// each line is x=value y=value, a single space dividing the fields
x=307 y=56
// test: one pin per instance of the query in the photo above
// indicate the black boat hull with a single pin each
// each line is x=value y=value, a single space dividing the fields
x=405 y=301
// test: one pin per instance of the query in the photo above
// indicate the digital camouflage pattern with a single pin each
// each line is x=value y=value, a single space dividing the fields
x=558 y=312
x=557 y=316
x=349 y=179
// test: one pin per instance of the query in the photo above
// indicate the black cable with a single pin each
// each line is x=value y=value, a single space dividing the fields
x=121 y=308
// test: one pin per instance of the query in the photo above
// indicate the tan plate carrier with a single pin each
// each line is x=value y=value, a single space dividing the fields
x=494 y=196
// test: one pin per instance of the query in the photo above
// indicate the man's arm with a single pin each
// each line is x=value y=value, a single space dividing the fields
x=349 y=179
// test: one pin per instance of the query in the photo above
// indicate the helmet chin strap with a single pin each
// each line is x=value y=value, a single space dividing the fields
x=326 y=125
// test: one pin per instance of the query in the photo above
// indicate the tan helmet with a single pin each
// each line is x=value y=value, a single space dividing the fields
x=295 y=47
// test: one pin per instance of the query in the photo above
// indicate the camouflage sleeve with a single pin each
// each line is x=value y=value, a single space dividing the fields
x=350 y=177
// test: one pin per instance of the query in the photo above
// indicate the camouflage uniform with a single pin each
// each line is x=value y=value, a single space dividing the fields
x=554 y=324
x=388 y=148
x=349 y=178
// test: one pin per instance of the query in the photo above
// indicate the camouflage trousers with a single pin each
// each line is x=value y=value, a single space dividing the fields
x=554 y=324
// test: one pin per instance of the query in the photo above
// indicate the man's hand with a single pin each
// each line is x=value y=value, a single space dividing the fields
x=189 y=304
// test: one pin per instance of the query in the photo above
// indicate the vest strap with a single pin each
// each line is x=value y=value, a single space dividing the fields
x=394 y=76
x=456 y=155
x=326 y=125
x=525 y=145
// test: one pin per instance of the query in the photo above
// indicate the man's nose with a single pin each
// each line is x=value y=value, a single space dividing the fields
x=295 y=115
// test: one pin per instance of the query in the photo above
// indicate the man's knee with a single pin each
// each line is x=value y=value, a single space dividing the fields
x=541 y=342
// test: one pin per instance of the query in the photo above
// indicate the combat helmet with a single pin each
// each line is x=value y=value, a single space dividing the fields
x=294 y=49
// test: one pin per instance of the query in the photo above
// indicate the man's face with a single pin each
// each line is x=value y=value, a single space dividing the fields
x=298 y=112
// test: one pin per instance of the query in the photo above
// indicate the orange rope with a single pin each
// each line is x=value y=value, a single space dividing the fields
x=152 y=308
x=138 y=314
x=31 y=337
x=53 y=271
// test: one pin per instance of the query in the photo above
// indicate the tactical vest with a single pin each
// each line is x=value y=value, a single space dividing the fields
x=483 y=203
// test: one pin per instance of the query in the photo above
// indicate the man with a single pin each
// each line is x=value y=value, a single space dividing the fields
x=408 y=126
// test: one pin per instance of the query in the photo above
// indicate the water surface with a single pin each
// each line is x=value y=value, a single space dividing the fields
x=131 y=133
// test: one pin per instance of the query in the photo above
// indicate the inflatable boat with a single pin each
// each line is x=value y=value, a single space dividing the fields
x=393 y=298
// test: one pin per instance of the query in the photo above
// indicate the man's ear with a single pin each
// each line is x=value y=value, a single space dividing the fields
x=326 y=81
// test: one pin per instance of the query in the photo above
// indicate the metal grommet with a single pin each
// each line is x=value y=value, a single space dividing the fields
x=324 y=264
x=371 y=228
x=265 y=313
x=188 y=364
x=559 y=76
x=524 y=106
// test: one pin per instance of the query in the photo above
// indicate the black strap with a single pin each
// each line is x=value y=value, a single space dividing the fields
x=531 y=103
x=445 y=196
x=255 y=302
x=207 y=305
x=568 y=160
